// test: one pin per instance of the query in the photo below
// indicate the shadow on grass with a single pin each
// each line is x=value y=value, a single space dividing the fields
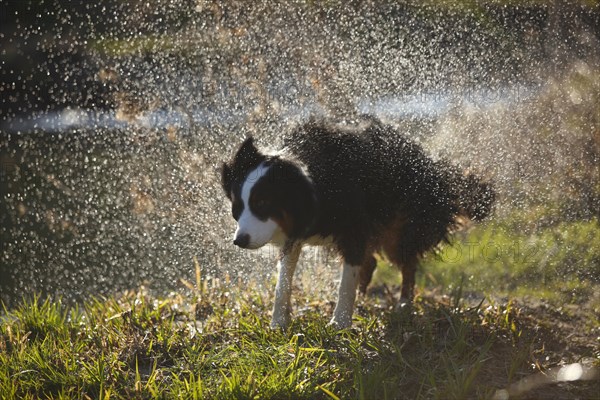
x=214 y=342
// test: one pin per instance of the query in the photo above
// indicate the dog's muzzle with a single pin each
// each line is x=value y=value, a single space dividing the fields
x=242 y=240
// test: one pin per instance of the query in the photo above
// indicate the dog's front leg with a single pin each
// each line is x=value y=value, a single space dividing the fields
x=342 y=315
x=283 y=291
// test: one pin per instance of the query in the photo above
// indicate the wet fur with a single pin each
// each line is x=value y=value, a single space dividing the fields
x=367 y=187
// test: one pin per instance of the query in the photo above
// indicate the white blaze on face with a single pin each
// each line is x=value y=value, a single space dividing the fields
x=260 y=232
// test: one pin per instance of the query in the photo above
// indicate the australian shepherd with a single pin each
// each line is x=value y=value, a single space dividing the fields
x=362 y=188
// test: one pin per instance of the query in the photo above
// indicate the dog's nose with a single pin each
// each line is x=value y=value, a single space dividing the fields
x=242 y=240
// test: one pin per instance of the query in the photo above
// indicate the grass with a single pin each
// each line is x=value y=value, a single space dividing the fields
x=221 y=347
x=559 y=263
x=213 y=339
x=217 y=344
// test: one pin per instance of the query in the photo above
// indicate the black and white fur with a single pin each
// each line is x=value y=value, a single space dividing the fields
x=363 y=188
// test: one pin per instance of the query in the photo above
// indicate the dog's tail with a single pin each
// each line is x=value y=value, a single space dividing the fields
x=475 y=197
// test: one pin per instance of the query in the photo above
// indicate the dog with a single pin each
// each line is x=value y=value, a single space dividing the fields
x=363 y=188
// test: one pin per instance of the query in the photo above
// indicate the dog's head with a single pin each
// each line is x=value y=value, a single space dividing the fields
x=272 y=198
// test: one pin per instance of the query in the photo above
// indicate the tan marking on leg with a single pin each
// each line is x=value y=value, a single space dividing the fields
x=366 y=273
x=409 y=268
x=391 y=243
x=390 y=240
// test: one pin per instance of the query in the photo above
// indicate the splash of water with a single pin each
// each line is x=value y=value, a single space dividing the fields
x=110 y=154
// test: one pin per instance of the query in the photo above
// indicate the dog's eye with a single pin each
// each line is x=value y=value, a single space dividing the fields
x=261 y=203
x=261 y=206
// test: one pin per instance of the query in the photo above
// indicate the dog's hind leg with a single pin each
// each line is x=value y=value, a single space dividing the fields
x=406 y=260
x=400 y=243
x=409 y=269
x=283 y=291
x=366 y=273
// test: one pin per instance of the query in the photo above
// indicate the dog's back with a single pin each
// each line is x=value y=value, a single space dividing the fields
x=379 y=190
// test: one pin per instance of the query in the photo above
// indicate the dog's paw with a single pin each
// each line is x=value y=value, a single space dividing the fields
x=404 y=302
x=280 y=323
x=404 y=306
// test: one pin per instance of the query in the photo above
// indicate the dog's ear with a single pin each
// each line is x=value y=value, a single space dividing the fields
x=246 y=156
x=226 y=179
x=247 y=150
